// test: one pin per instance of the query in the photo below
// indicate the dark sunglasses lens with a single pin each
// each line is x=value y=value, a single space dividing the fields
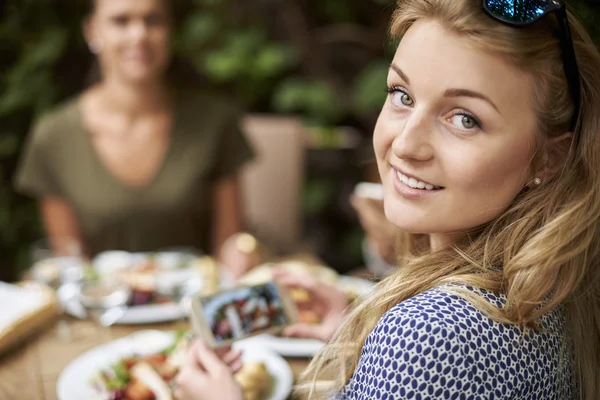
x=517 y=11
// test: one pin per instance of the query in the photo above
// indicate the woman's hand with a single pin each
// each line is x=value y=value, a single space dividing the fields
x=240 y=253
x=327 y=301
x=381 y=233
x=206 y=375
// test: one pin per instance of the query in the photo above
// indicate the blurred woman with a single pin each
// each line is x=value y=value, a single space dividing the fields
x=488 y=148
x=381 y=236
x=135 y=162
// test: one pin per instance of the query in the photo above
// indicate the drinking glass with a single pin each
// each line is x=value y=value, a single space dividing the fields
x=58 y=262
x=179 y=286
x=178 y=277
x=105 y=300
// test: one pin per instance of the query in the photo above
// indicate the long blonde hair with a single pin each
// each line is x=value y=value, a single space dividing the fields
x=547 y=240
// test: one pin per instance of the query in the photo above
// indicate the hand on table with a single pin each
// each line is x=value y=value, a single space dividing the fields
x=381 y=233
x=240 y=253
x=208 y=375
x=327 y=301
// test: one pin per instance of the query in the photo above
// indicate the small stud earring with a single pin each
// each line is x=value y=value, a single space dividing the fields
x=537 y=181
x=95 y=46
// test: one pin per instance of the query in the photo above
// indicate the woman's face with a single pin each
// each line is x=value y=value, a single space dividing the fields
x=456 y=135
x=131 y=38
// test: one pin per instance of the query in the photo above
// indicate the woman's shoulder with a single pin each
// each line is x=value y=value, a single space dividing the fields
x=437 y=342
x=60 y=119
x=446 y=305
x=206 y=105
x=439 y=316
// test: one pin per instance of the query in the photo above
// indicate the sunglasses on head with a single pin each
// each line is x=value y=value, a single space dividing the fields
x=521 y=13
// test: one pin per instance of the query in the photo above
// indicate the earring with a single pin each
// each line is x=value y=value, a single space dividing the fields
x=95 y=46
x=537 y=181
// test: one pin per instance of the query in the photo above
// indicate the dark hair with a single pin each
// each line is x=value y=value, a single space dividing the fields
x=173 y=6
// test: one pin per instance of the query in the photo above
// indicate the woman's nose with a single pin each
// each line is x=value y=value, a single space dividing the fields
x=138 y=30
x=413 y=140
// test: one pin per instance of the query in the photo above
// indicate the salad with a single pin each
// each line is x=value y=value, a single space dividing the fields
x=142 y=377
x=151 y=376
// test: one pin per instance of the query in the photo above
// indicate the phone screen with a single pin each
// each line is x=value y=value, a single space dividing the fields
x=243 y=311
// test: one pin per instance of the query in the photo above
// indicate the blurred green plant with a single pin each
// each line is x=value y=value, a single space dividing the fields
x=305 y=58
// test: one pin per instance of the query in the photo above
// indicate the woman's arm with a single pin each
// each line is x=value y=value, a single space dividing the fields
x=229 y=217
x=59 y=219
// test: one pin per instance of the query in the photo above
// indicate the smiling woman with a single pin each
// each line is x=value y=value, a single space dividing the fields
x=113 y=28
x=465 y=135
x=497 y=295
x=498 y=291
x=138 y=162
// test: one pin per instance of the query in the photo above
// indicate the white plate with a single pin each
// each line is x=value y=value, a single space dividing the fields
x=148 y=314
x=294 y=347
x=109 y=261
x=73 y=381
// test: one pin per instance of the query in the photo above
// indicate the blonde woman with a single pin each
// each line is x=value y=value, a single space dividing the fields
x=489 y=152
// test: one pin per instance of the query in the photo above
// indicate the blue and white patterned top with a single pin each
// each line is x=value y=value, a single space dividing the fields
x=437 y=345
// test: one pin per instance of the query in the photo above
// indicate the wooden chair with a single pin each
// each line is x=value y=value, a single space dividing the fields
x=273 y=183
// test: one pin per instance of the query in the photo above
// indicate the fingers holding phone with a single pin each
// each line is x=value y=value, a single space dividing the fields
x=327 y=301
x=207 y=375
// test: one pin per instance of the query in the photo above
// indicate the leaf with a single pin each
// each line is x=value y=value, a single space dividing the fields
x=50 y=47
x=290 y=95
x=369 y=88
x=198 y=30
x=36 y=90
x=315 y=98
x=246 y=42
x=272 y=60
x=222 y=65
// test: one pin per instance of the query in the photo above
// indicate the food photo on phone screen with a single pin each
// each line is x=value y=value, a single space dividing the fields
x=241 y=312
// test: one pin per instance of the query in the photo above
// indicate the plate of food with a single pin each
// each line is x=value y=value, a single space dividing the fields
x=150 y=276
x=142 y=366
x=297 y=347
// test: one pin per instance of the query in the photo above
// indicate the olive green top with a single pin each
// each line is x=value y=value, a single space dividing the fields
x=174 y=210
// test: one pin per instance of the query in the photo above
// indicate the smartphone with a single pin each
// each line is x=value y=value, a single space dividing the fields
x=233 y=314
x=369 y=190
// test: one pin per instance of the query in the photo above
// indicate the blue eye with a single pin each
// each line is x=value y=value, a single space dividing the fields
x=465 y=121
x=400 y=97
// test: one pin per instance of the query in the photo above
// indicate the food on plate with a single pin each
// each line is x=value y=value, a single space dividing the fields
x=53 y=271
x=303 y=301
x=263 y=273
x=151 y=377
x=254 y=379
x=142 y=271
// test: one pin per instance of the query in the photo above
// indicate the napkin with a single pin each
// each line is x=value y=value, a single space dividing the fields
x=27 y=307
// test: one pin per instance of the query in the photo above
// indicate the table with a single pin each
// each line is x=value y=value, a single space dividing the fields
x=31 y=372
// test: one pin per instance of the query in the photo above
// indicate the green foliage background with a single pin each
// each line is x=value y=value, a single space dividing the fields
x=324 y=59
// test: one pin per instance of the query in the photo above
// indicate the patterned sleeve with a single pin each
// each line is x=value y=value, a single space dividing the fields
x=417 y=352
